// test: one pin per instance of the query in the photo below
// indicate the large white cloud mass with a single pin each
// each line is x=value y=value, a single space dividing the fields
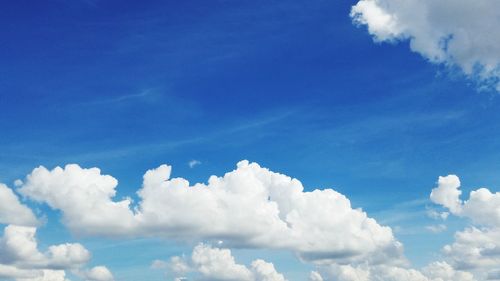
x=457 y=33
x=216 y=264
x=250 y=207
x=476 y=248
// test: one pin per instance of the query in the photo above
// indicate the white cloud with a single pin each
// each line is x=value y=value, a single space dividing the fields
x=98 y=273
x=18 y=246
x=447 y=193
x=438 y=271
x=250 y=207
x=443 y=271
x=47 y=275
x=84 y=196
x=457 y=33
x=265 y=271
x=482 y=207
x=20 y=258
x=477 y=248
x=194 y=163
x=315 y=276
x=218 y=264
x=12 y=211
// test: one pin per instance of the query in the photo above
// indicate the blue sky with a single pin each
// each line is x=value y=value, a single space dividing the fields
x=294 y=86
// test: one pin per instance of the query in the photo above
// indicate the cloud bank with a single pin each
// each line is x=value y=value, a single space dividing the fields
x=252 y=207
x=20 y=258
x=248 y=207
x=462 y=34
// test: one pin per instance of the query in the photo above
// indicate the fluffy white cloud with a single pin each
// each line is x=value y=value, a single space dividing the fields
x=457 y=33
x=20 y=258
x=18 y=246
x=84 y=197
x=482 y=207
x=447 y=193
x=442 y=271
x=265 y=271
x=12 y=211
x=98 y=273
x=219 y=265
x=250 y=206
x=476 y=248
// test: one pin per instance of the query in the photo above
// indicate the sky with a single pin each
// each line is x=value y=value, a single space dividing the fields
x=250 y=140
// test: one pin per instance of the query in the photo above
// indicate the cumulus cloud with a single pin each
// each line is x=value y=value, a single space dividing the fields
x=476 y=248
x=20 y=258
x=218 y=264
x=18 y=246
x=12 y=211
x=98 y=273
x=447 y=193
x=482 y=207
x=461 y=34
x=249 y=207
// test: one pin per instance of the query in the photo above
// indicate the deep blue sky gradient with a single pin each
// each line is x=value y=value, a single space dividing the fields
x=295 y=86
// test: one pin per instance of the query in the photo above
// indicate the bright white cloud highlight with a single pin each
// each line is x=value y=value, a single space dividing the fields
x=98 y=273
x=477 y=248
x=20 y=258
x=250 y=207
x=457 y=33
x=217 y=264
x=12 y=211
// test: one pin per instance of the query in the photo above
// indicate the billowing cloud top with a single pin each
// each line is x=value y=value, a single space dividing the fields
x=250 y=207
x=461 y=34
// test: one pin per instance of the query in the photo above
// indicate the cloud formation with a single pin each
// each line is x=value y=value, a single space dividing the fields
x=210 y=263
x=248 y=207
x=12 y=211
x=437 y=271
x=461 y=34
x=476 y=248
x=20 y=258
